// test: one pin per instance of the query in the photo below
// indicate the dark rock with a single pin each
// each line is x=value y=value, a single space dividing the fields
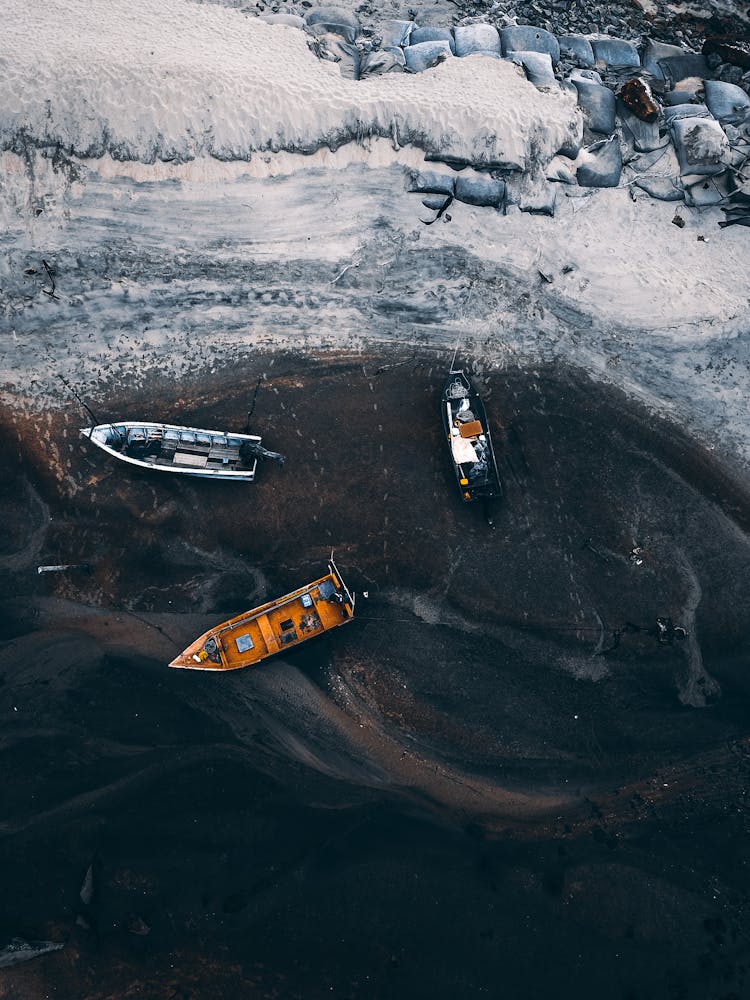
x=637 y=97
x=729 y=49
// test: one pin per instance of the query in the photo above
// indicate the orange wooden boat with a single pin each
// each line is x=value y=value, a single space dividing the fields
x=272 y=628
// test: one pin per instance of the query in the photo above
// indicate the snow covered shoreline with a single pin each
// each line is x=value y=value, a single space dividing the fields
x=223 y=245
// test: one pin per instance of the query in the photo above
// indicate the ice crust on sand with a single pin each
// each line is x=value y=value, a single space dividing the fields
x=178 y=80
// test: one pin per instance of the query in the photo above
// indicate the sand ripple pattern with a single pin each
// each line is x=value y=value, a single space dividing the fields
x=177 y=80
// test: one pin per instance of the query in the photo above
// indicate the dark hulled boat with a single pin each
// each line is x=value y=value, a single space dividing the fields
x=467 y=431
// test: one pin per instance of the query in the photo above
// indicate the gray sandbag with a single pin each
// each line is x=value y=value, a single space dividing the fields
x=708 y=191
x=537 y=66
x=676 y=111
x=430 y=34
x=598 y=106
x=645 y=134
x=700 y=144
x=615 y=53
x=437 y=202
x=480 y=189
x=433 y=181
x=560 y=170
x=525 y=38
x=332 y=19
x=661 y=188
x=576 y=47
x=655 y=52
x=471 y=38
x=395 y=33
x=290 y=20
x=673 y=98
x=381 y=62
x=601 y=165
x=535 y=195
x=727 y=102
x=691 y=65
x=336 y=49
x=426 y=55
x=571 y=144
x=585 y=74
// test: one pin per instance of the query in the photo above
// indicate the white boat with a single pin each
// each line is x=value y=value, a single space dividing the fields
x=187 y=451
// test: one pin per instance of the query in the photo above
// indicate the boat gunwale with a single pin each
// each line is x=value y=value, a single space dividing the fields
x=247 y=473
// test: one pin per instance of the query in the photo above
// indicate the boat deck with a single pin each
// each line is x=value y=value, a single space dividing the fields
x=271 y=628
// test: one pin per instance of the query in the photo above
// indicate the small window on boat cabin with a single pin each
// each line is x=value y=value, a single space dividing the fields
x=286 y=625
x=244 y=643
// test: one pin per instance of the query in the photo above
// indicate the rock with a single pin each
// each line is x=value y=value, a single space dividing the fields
x=729 y=49
x=472 y=38
x=600 y=164
x=636 y=95
x=426 y=55
x=523 y=38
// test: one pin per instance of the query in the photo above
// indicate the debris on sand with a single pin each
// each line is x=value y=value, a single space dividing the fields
x=20 y=950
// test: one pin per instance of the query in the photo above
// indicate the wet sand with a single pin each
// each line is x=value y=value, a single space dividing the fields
x=473 y=789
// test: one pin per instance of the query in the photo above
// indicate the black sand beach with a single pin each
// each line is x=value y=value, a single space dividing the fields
x=486 y=785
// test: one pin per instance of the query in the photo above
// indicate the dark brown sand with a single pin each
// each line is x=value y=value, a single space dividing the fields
x=471 y=790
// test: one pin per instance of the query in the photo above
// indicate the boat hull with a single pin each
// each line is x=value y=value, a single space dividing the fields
x=272 y=628
x=467 y=433
x=176 y=450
